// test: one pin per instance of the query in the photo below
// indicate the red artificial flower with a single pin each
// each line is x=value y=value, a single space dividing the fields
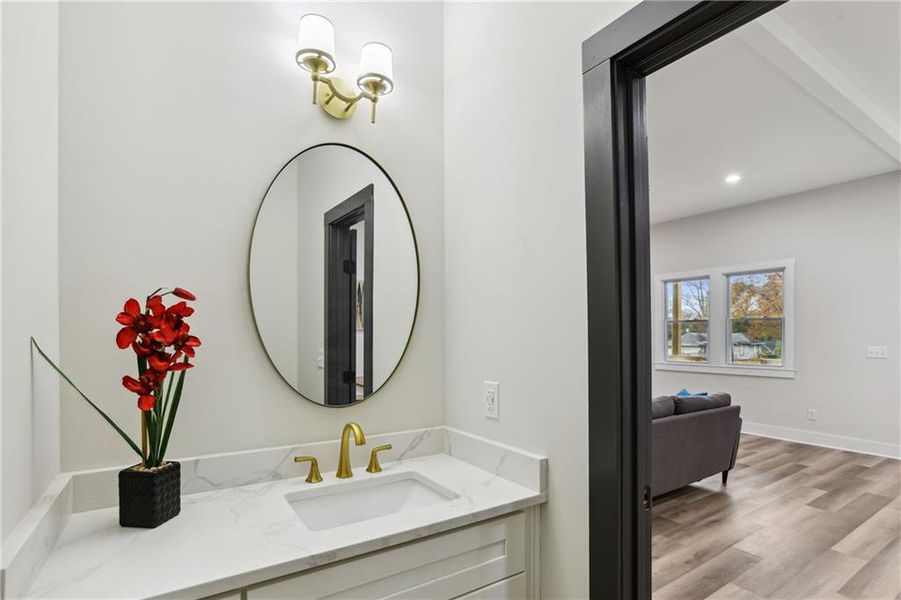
x=150 y=333
x=125 y=337
x=180 y=309
x=134 y=385
x=145 y=384
x=185 y=343
x=146 y=402
x=156 y=306
x=144 y=348
x=159 y=361
x=135 y=322
x=184 y=294
x=130 y=312
x=167 y=332
x=153 y=378
x=171 y=324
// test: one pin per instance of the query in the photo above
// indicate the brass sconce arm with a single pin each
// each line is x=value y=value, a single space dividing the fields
x=349 y=101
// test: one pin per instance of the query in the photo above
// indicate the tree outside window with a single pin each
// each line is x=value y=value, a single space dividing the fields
x=756 y=318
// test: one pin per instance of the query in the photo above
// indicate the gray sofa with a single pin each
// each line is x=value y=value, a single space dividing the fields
x=692 y=437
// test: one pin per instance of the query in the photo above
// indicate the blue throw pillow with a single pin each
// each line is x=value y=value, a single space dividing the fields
x=683 y=392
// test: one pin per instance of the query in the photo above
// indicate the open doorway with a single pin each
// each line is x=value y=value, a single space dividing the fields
x=629 y=322
x=774 y=248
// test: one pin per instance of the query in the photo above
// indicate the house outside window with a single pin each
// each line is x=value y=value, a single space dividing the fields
x=731 y=320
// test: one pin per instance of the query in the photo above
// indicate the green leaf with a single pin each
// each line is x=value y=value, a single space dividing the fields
x=170 y=418
x=164 y=415
x=158 y=405
x=166 y=397
x=112 y=423
x=155 y=432
x=151 y=445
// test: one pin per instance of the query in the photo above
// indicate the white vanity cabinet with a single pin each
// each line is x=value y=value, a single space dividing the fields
x=486 y=561
x=431 y=527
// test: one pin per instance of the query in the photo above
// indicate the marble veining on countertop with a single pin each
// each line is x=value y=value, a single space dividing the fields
x=233 y=537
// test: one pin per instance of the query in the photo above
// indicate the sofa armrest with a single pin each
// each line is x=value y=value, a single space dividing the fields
x=691 y=446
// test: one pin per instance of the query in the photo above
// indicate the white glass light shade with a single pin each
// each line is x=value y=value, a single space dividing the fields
x=316 y=44
x=376 y=68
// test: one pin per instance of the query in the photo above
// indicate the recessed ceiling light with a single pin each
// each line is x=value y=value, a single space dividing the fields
x=733 y=178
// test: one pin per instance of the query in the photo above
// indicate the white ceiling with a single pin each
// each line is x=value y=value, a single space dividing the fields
x=804 y=97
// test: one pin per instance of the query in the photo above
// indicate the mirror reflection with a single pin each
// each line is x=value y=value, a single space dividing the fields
x=334 y=275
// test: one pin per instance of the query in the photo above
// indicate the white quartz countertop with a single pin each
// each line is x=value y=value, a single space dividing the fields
x=235 y=537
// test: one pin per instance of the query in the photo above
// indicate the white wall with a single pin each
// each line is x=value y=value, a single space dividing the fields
x=845 y=240
x=515 y=248
x=29 y=410
x=174 y=117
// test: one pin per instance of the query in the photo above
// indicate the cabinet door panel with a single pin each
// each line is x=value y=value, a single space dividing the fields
x=444 y=566
x=512 y=588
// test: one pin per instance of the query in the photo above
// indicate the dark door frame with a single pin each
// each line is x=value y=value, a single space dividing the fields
x=615 y=62
x=340 y=296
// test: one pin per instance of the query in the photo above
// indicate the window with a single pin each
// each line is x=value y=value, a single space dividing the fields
x=687 y=319
x=730 y=320
x=756 y=318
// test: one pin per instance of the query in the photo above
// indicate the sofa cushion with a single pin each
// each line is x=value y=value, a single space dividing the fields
x=664 y=406
x=689 y=404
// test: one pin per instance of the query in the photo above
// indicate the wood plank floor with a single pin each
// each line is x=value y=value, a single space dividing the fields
x=795 y=521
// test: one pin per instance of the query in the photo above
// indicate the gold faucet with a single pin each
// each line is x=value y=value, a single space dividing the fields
x=314 y=476
x=344 y=456
x=374 y=466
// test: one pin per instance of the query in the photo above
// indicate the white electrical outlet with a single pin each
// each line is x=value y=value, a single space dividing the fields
x=492 y=400
x=811 y=414
x=877 y=352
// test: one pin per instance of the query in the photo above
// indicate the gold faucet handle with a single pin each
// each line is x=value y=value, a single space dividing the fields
x=374 y=466
x=314 y=476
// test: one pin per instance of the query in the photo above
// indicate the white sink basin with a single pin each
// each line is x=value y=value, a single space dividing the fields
x=357 y=501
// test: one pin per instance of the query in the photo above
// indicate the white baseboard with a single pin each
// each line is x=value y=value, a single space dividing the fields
x=827 y=440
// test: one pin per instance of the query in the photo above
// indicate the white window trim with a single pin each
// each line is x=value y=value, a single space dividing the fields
x=717 y=356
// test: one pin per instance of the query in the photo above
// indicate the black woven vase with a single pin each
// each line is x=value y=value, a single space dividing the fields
x=149 y=498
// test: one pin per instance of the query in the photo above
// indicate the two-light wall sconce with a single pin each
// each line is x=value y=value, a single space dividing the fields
x=316 y=54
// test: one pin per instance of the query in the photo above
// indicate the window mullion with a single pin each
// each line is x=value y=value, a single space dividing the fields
x=717 y=326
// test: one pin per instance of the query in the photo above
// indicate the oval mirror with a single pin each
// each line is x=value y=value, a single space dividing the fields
x=334 y=275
